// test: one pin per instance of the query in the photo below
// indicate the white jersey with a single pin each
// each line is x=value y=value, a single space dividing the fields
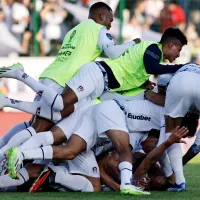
x=142 y=115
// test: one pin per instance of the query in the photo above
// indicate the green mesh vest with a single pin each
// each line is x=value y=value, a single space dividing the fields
x=129 y=69
x=79 y=47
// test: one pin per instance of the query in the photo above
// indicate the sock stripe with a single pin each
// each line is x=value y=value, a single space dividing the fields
x=25 y=124
x=127 y=169
x=42 y=152
x=52 y=107
x=29 y=132
x=23 y=155
x=22 y=176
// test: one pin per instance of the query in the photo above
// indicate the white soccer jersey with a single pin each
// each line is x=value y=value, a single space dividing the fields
x=142 y=115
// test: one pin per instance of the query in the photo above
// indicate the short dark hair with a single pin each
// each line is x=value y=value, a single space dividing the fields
x=98 y=5
x=173 y=33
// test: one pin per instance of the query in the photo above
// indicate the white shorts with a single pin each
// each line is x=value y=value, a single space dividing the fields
x=99 y=119
x=68 y=124
x=85 y=163
x=183 y=92
x=50 y=83
x=136 y=139
x=88 y=81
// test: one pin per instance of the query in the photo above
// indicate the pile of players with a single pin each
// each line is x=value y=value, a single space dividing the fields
x=99 y=125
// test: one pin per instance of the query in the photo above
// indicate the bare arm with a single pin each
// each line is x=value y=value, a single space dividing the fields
x=156 y=98
x=155 y=155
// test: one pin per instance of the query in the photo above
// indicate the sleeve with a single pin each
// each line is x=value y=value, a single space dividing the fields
x=152 y=64
x=106 y=44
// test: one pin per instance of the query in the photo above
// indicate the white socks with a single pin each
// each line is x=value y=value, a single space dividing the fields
x=37 y=107
x=17 y=128
x=42 y=153
x=125 y=172
x=165 y=165
x=73 y=182
x=38 y=140
x=51 y=96
x=6 y=181
x=175 y=156
x=18 y=139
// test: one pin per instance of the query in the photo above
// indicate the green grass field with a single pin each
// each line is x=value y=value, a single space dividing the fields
x=192 y=174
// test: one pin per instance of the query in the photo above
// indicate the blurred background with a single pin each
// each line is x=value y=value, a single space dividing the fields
x=32 y=32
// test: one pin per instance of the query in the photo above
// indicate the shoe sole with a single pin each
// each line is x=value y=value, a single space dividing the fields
x=11 y=166
x=131 y=192
x=39 y=182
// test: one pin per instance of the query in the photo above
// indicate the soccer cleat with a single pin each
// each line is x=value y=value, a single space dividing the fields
x=10 y=72
x=132 y=190
x=44 y=175
x=178 y=188
x=191 y=153
x=15 y=160
x=2 y=97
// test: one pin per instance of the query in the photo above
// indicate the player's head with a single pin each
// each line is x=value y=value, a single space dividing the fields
x=102 y=14
x=158 y=182
x=172 y=42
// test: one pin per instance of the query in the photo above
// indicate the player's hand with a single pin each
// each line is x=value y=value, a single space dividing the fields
x=137 y=40
x=144 y=181
x=177 y=134
x=148 y=85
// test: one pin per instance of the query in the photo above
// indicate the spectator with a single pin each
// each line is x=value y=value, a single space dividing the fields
x=53 y=28
x=172 y=15
x=28 y=32
x=16 y=17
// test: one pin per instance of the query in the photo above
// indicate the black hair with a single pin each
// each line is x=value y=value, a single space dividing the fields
x=97 y=6
x=173 y=33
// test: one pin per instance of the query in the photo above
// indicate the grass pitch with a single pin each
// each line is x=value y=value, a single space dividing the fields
x=192 y=174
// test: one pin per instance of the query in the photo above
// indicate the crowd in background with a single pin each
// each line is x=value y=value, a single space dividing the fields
x=20 y=19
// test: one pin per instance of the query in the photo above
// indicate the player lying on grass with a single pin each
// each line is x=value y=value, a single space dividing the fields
x=108 y=164
x=182 y=95
x=99 y=121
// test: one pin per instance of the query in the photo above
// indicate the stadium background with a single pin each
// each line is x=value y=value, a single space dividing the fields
x=32 y=32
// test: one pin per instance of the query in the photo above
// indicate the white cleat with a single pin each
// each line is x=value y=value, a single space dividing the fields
x=132 y=190
x=2 y=97
x=10 y=72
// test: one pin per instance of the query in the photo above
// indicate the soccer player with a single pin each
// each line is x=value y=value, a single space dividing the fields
x=180 y=98
x=83 y=44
